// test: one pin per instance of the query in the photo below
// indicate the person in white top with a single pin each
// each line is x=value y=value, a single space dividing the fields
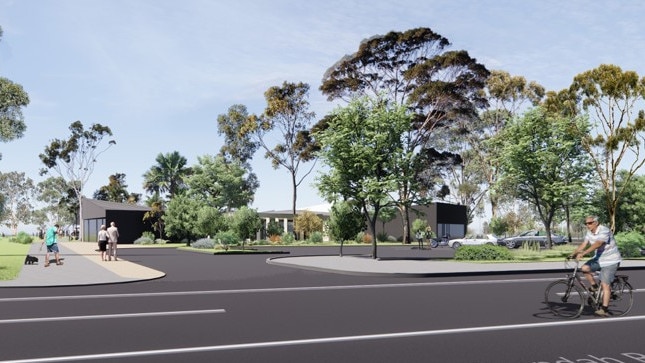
x=606 y=258
x=113 y=237
x=103 y=241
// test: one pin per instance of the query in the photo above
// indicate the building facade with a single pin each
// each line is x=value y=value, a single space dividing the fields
x=445 y=220
x=128 y=218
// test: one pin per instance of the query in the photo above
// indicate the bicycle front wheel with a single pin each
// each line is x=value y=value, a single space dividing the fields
x=621 y=300
x=564 y=299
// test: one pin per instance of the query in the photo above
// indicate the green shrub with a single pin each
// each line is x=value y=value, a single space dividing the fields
x=22 y=238
x=630 y=243
x=382 y=237
x=144 y=240
x=148 y=234
x=274 y=228
x=483 y=253
x=316 y=237
x=203 y=243
x=288 y=238
x=227 y=238
x=160 y=241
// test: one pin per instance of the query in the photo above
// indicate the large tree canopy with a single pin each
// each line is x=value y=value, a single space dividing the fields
x=413 y=69
x=220 y=184
x=12 y=99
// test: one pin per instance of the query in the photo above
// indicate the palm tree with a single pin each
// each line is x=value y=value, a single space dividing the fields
x=168 y=175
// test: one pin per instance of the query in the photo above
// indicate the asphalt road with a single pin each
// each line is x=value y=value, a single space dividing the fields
x=240 y=309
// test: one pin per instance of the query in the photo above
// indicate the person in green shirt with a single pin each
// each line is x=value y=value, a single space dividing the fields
x=52 y=245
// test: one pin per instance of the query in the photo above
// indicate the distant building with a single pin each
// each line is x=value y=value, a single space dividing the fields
x=127 y=217
x=285 y=218
x=443 y=218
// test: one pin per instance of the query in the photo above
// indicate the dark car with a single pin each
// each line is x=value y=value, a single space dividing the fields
x=530 y=236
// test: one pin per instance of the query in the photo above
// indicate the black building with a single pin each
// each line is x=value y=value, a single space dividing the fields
x=127 y=217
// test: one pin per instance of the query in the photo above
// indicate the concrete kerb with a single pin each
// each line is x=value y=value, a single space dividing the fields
x=362 y=265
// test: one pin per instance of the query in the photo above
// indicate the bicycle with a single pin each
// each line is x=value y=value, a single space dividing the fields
x=434 y=243
x=568 y=297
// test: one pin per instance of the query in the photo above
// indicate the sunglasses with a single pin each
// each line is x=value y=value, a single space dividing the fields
x=588 y=223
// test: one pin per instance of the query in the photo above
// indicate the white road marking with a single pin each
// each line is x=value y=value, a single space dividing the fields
x=327 y=340
x=274 y=289
x=111 y=316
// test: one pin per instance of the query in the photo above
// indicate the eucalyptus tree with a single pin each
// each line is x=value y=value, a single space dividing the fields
x=362 y=145
x=17 y=190
x=507 y=96
x=54 y=193
x=611 y=98
x=416 y=69
x=168 y=175
x=542 y=161
x=287 y=113
x=12 y=99
x=630 y=211
x=239 y=145
x=74 y=158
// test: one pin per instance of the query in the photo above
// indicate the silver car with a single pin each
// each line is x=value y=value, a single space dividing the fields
x=530 y=236
x=473 y=240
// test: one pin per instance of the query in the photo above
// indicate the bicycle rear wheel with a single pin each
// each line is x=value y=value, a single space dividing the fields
x=564 y=299
x=622 y=298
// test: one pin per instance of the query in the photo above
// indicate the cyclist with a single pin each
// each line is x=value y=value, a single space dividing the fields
x=606 y=259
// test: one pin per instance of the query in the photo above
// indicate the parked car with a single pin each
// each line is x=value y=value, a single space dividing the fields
x=473 y=240
x=530 y=236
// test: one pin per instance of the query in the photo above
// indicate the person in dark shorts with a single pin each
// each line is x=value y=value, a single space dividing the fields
x=103 y=241
x=52 y=245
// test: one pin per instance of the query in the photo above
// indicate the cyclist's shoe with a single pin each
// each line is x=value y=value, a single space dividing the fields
x=614 y=296
x=602 y=313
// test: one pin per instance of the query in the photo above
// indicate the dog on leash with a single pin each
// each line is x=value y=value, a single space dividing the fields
x=30 y=260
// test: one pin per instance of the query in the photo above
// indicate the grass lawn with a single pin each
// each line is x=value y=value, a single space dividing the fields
x=12 y=258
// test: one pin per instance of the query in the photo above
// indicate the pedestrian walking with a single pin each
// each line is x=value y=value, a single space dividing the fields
x=113 y=237
x=103 y=241
x=52 y=245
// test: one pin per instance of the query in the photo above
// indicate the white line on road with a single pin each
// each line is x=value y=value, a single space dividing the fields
x=111 y=316
x=342 y=339
x=275 y=289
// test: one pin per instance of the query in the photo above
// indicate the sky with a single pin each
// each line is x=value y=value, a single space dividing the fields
x=159 y=72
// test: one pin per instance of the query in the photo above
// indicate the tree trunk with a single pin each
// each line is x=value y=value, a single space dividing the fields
x=294 y=195
x=372 y=227
x=568 y=218
x=406 y=225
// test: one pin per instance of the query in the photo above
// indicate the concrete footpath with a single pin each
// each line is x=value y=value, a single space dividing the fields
x=82 y=265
